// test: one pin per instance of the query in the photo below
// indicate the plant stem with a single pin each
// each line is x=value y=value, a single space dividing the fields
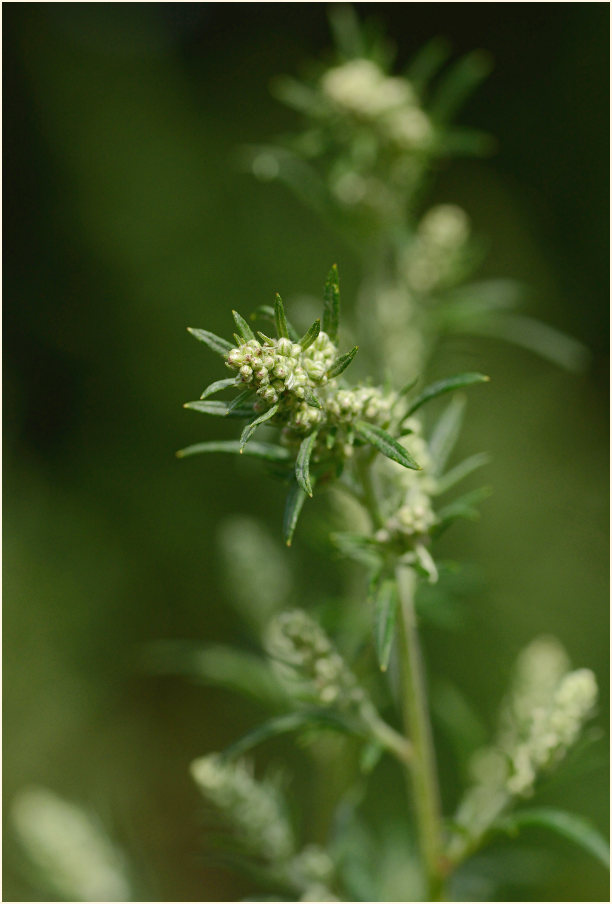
x=416 y=721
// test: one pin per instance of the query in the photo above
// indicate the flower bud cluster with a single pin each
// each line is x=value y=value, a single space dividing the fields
x=302 y=650
x=280 y=368
x=436 y=252
x=412 y=520
x=362 y=403
x=361 y=89
x=254 y=809
x=311 y=871
x=553 y=730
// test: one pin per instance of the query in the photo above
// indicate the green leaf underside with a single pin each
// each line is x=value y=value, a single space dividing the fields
x=307 y=718
x=243 y=328
x=569 y=825
x=266 y=451
x=249 y=430
x=443 y=386
x=310 y=335
x=386 y=444
x=385 y=613
x=296 y=498
x=331 y=304
x=219 y=409
x=302 y=462
x=218 y=386
x=279 y=318
x=240 y=400
x=216 y=343
x=341 y=363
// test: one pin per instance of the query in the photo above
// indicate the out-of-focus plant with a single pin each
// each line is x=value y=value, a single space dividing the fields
x=364 y=160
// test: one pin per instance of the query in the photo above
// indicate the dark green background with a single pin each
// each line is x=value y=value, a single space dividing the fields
x=125 y=221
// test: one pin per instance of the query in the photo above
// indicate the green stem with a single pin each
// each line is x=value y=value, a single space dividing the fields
x=416 y=721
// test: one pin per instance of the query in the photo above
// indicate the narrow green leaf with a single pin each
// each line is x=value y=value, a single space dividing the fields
x=279 y=317
x=341 y=363
x=293 y=506
x=243 y=328
x=218 y=386
x=406 y=389
x=331 y=304
x=250 y=429
x=302 y=462
x=569 y=825
x=266 y=451
x=240 y=400
x=458 y=83
x=446 y=432
x=216 y=343
x=427 y=61
x=219 y=409
x=436 y=389
x=462 y=470
x=464 y=507
x=385 y=444
x=358 y=547
x=310 y=335
x=311 y=399
x=385 y=613
x=266 y=312
x=307 y=718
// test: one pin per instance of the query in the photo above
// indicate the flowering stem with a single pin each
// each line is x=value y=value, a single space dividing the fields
x=416 y=720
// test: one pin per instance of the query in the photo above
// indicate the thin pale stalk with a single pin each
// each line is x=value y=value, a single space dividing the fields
x=423 y=773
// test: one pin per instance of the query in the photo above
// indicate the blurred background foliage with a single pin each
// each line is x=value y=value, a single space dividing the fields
x=127 y=219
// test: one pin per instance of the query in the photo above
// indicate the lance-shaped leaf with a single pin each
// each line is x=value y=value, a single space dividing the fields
x=266 y=312
x=442 y=386
x=427 y=61
x=446 y=433
x=571 y=826
x=279 y=317
x=218 y=386
x=385 y=444
x=243 y=328
x=266 y=451
x=464 y=507
x=341 y=363
x=304 y=719
x=302 y=462
x=216 y=343
x=385 y=614
x=296 y=498
x=309 y=337
x=240 y=400
x=219 y=409
x=462 y=470
x=458 y=83
x=250 y=429
x=331 y=304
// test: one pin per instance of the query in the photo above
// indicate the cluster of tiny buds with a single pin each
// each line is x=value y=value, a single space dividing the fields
x=277 y=367
x=412 y=520
x=296 y=641
x=367 y=403
x=254 y=808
